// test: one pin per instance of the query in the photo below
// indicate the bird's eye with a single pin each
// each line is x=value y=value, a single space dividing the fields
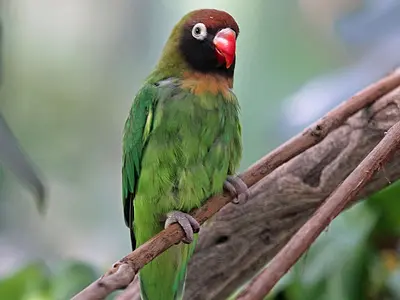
x=199 y=31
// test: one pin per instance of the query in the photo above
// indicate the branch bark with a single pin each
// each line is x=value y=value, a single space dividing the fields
x=241 y=240
x=261 y=285
x=222 y=261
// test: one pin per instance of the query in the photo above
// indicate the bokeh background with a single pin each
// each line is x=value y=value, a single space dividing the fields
x=70 y=69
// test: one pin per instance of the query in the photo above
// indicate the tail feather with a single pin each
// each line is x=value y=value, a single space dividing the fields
x=164 y=277
x=133 y=239
x=143 y=294
x=179 y=285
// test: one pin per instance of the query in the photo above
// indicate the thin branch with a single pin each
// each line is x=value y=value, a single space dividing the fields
x=173 y=234
x=114 y=279
x=261 y=285
x=132 y=291
x=241 y=240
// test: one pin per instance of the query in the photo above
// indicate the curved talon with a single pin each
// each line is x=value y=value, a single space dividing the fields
x=186 y=221
x=230 y=188
x=237 y=188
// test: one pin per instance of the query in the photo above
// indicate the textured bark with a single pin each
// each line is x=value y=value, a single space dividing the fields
x=240 y=240
x=243 y=239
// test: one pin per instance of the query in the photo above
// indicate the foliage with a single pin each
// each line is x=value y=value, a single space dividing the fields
x=37 y=281
x=356 y=258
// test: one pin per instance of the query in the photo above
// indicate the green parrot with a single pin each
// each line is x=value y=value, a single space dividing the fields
x=182 y=143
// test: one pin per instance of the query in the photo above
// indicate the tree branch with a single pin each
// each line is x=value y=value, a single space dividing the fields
x=241 y=240
x=148 y=251
x=261 y=285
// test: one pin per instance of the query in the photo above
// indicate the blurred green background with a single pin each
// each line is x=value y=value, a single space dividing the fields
x=70 y=71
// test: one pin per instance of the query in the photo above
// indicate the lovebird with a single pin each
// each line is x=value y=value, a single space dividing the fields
x=182 y=143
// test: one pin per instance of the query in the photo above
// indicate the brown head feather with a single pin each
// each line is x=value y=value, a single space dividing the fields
x=172 y=62
x=212 y=18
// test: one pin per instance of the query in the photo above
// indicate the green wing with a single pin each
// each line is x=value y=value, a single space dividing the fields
x=137 y=130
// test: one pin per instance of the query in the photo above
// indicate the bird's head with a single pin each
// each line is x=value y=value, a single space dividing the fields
x=208 y=40
x=204 y=41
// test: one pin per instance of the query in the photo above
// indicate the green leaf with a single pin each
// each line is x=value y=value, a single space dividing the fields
x=335 y=267
x=14 y=159
x=387 y=206
x=337 y=246
x=27 y=281
x=394 y=284
x=71 y=277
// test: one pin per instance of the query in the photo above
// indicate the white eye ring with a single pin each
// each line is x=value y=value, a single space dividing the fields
x=199 y=31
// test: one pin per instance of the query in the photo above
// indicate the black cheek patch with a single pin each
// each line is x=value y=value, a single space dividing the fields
x=200 y=54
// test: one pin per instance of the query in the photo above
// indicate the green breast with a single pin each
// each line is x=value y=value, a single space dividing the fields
x=194 y=144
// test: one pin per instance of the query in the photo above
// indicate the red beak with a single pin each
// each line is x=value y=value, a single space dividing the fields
x=225 y=46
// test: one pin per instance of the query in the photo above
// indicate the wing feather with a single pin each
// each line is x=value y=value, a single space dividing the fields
x=137 y=130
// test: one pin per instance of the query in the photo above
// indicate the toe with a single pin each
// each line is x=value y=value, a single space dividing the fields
x=188 y=224
x=243 y=197
x=193 y=223
x=239 y=184
x=237 y=188
x=170 y=220
x=187 y=228
x=230 y=188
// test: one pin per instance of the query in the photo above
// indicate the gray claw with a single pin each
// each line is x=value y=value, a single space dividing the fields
x=237 y=188
x=186 y=221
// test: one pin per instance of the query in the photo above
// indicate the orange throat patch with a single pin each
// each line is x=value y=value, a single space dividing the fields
x=199 y=84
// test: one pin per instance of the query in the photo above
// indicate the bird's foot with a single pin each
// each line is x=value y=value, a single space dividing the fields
x=237 y=188
x=186 y=221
